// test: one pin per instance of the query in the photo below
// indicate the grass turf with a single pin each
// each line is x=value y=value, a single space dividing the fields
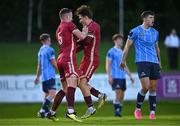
x=168 y=114
x=21 y=58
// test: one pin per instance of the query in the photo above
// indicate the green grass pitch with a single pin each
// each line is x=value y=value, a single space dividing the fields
x=21 y=58
x=168 y=114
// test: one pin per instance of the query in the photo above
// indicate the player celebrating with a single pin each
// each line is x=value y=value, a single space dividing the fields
x=90 y=60
x=67 y=35
x=145 y=39
x=116 y=76
x=46 y=67
x=60 y=95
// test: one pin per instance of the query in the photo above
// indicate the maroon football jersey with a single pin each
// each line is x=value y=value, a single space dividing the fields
x=66 y=40
x=91 y=48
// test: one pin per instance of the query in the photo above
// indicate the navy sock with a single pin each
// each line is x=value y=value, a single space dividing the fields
x=117 y=108
x=46 y=103
x=140 y=98
x=152 y=101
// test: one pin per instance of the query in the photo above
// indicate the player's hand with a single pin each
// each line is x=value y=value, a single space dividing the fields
x=110 y=80
x=122 y=65
x=36 y=81
x=85 y=30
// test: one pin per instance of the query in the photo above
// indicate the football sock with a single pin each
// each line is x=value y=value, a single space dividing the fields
x=70 y=99
x=120 y=104
x=152 y=101
x=94 y=92
x=57 y=100
x=117 y=107
x=91 y=108
x=88 y=101
x=70 y=110
x=46 y=103
x=140 y=98
x=42 y=110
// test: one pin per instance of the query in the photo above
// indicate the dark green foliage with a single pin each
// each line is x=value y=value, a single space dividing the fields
x=106 y=12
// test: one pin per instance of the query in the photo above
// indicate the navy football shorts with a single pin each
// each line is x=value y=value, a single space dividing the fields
x=48 y=85
x=148 y=69
x=119 y=84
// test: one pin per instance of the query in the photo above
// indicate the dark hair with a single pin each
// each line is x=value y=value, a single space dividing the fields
x=64 y=11
x=116 y=36
x=44 y=36
x=84 y=10
x=147 y=13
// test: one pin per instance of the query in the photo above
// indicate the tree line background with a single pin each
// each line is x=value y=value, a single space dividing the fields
x=14 y=16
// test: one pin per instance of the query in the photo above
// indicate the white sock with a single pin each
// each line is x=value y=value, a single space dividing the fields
x=152 y=112
x=70 y=110
x=99 y=95
x=138 y=109
x=42 y=110
x=91 y=108
x=52 y=112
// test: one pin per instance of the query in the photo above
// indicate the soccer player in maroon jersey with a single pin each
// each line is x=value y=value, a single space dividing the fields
x=90 y=60
x=67 y=35
x=60 y=95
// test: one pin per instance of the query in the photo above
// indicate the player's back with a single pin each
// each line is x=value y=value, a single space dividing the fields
x=65 y=38
x=93 y=47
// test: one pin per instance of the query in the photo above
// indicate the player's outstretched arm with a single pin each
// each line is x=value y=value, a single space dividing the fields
x=125 y=53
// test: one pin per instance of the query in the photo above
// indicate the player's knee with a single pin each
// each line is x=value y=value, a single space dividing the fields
x=52 y=93
x=83 y=84
x=89 y=86
x=145 y=90
x=152 y=89
x=64 y=90
x=64 y=87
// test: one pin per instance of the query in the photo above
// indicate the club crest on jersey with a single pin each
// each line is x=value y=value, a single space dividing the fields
x=130 y=33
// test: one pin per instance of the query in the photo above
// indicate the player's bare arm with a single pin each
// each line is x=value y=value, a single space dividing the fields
x=54 y=63
x=125 y=53
x=108 y=63
x=158 y=54
x=129 y=74
x=79 y=34
x=38 y=73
